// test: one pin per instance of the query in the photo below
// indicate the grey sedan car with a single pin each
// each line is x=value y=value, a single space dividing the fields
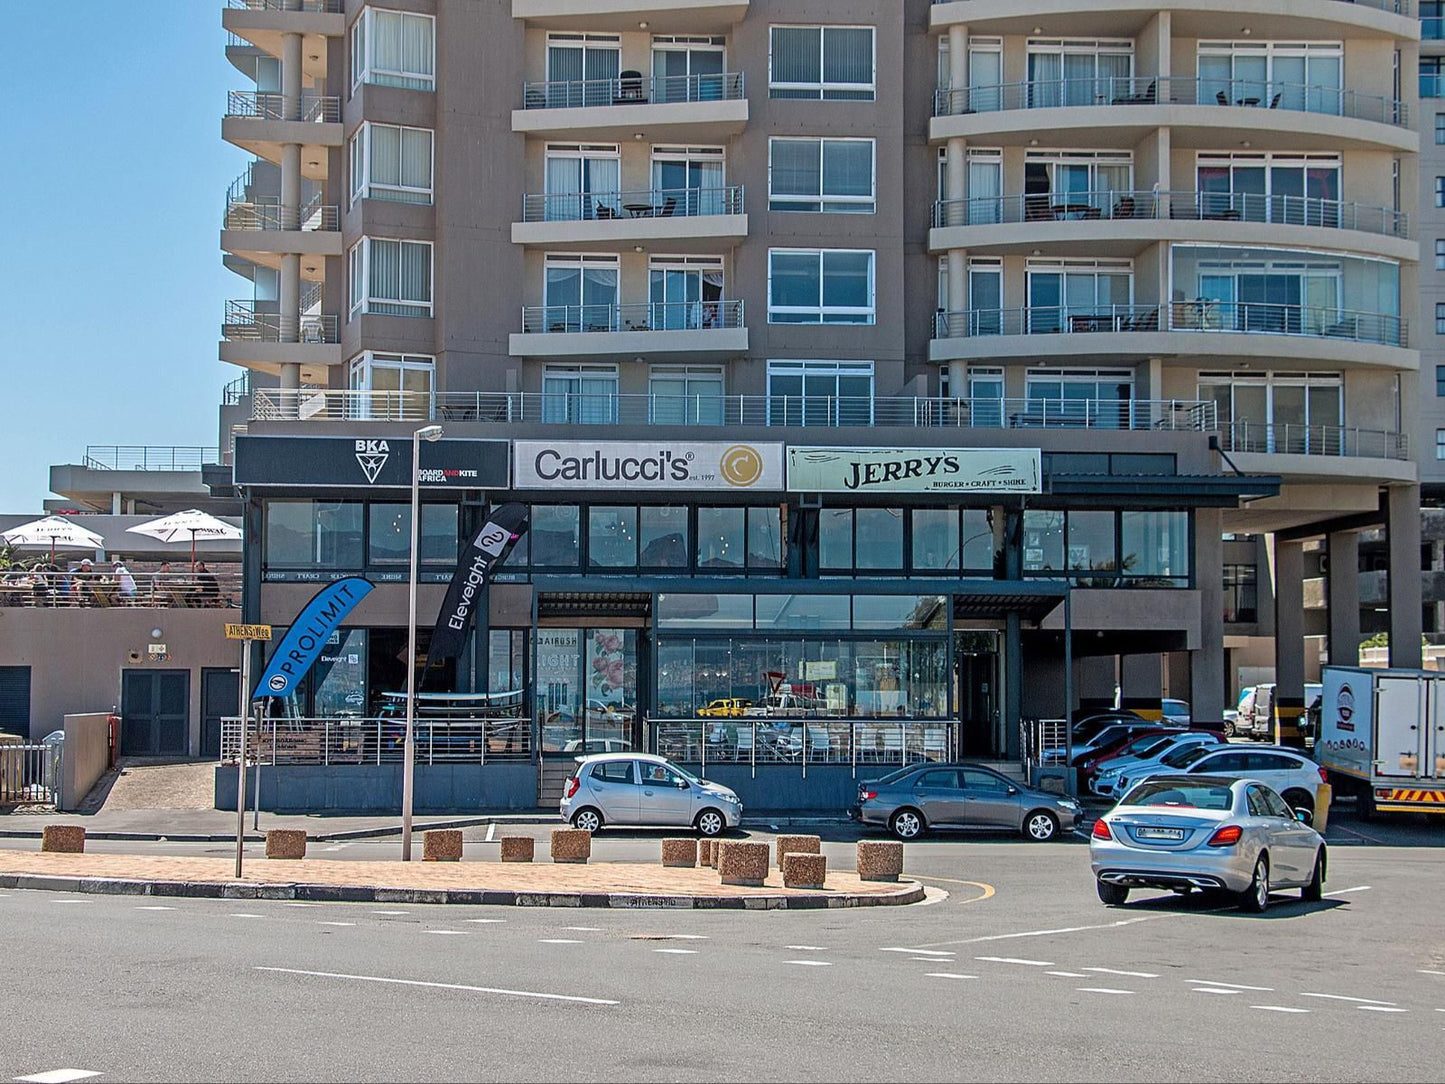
x=1212 y=832
x=919 y=797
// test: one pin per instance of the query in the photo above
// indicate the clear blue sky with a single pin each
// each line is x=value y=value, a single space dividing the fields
x=113 y=178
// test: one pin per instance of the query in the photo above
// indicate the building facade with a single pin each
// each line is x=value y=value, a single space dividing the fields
x=1165 y=257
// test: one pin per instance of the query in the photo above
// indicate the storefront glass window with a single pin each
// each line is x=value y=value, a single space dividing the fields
x=339 y=679
x=586 y=688
x=978 y=545
x=505 y=650
x=765 y=538
x=935 y=539
x=664 y=538
x=835 y=538
x=1091 y=544
x=389 y=534
x=612 y=537
x=720 y=538
x=803 y=612
x=558 y=686
x=900 y=612
x=878 y=538
x=704 y=611
x=313 y=534
x=556 y=541
x=1043 y=541
x=1156 y=547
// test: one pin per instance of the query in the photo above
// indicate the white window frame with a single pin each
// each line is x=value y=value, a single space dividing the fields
x=823 y=87
x=363 y=187
x=362 y=40
x=359 y=267
x=703 y=402
x=870 y=311
x=823 y=203
x=359 y=378
x=819 y=367
x=577 y=399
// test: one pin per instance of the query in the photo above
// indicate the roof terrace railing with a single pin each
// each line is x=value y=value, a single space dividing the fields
x=148 y=457
x=268 y=105
x=632 y=204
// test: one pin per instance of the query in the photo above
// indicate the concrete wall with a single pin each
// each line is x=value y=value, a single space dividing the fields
x=376 y=788
x=830 y=788
x=87 y=756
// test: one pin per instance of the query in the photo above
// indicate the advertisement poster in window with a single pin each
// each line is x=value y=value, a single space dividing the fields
x=608 y=713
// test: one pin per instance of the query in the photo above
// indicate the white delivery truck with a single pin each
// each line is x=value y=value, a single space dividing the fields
x=1382 y=738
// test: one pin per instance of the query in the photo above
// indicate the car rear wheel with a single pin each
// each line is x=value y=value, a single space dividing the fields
x=1041 y=826
x=710 y=823
x=1255 y=898
x=907 y=824
x=1315 y=890
x=1299 y=799
x=1112 y=895
x=589 y=820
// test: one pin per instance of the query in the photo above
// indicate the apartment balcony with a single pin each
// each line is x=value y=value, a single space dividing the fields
x=148 y=457
x=1202 y=114
x=1113 y=223
x=656 y=109
x=1267 y=19
x=1213 y=332
x=264 y=232
x=660 y=16
x=262 y=123
x=263 y=23
x=695 y=329
x=665 y=220
x=259 y=339
x=1324 y=454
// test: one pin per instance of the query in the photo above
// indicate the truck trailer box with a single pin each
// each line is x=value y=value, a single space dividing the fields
x=1382 y=737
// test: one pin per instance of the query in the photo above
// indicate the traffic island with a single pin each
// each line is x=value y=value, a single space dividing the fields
x=601 y=884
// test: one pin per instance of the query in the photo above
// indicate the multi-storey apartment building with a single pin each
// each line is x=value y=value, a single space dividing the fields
x=1159 y=253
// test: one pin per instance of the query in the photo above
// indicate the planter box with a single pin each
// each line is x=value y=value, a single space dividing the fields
x=804 y=870
x=571 y=845
x=879 y=860
x=743 y=863
x=681 y=853
x=442 y=845
x=288 y=843
x=798 y=845
x=63 y=839
x=517 y=848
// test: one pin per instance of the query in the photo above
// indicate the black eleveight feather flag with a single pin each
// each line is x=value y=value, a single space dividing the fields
x=503 y=528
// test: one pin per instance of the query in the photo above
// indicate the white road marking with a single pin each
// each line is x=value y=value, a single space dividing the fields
x=1065 y=929
x=155 y=907
x=688 y=937
x=556 y=941
x=1015 y=960
x=72 y=901
x=245 y=914
x=1379 y=1008
x=809 y=963
x=1129 y=974
x=1067 y=974
x=806 y=948
x=336 y=924
x=1342 y=997
x=58 y=1076
x=449 y=933
x=674 y=951
x=947 y=975
x=919 y=951
x=584 y=929
x=1342 y=891
x=297 y=903
x=927 y=960
x=444 y=986
x=1101 y=990
x=1278 y=1008
x=1215 y=990
x=484 y=920
x=391 y=912
x=1231 y=985
x=1427 y=971
x=491 y=831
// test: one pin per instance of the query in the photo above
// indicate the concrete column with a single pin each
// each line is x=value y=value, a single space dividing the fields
x=1403 y=528
x=291 y=380
x=1437 y=564
x=290 y=298
x=958 y=56
x=1142 y=676
x=1344 y=598
x=291 y=76
x=1289 y=623
x=115 y=504
x=1206 y=659
x=956 y=178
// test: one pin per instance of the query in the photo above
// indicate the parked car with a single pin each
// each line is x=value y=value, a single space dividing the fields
x=1090 y=725
x=1103 y=743
x=593 y=746
x=1090 y=766
x=1106 y=781
x=1261 y=721
x=727 y=708
x=1182 y=832
x=641 y=789
x=921 y=797
x=1286 y=770
x=1176 y=712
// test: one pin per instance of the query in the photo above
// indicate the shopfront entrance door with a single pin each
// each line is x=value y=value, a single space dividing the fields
x=976 y=693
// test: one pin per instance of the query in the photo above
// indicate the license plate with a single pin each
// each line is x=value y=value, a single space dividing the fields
x=1159 y=833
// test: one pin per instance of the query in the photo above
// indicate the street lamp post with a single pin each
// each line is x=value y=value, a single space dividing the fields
x=408 y=769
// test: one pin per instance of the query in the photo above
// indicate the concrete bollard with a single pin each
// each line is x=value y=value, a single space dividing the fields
x=798 y=845
x=707 y=852
x=801 y=870
x=442 y=845
x=63 y=839
x=286 y=843
x=571 y=845
x=517 y=848
x=681 y=853
x=879 y=860
x=742 y=863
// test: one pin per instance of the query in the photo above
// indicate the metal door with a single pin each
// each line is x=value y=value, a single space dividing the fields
x=220 y=694
x=155 y=712
x=1434 y=765
x=1399 y=719
x=987 y=802
x=665 y=796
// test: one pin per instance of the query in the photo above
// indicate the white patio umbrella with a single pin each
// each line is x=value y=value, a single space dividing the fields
x=193 y=523
x=53 y=531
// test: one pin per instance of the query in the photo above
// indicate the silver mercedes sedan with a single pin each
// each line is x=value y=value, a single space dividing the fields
x=1182 y=832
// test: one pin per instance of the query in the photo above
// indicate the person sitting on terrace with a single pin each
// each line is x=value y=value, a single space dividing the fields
x=208 y=588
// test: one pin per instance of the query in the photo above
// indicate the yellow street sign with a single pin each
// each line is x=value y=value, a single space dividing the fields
x=248 y=632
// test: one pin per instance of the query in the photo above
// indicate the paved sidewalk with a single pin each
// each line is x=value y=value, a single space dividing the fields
x=603 y=884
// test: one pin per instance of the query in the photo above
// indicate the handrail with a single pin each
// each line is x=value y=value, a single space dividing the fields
x=1109 y=204
x=314 y=7
x=379 y=740
x=267 y=105
x=1298 y=438
x=803 y=741
x=659 y=316
x=632 y=203
x=1171 y=90
x=158 y=457
x=237 y=389
x=244 y=324
x=632 y=90
x=1250 y=317
x=248 y=215
x=216 y=588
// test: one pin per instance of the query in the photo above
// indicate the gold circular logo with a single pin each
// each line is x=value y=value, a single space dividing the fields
x=741 y=465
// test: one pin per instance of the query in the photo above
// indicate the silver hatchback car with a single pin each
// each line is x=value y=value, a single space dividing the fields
x=637 y=789
x=1183 y=832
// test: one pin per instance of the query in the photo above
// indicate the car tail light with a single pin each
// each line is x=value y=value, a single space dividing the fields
x=867 y=795
x=1101 y=830
x=572 y=785
x=1324 y=776
x=1227 y=836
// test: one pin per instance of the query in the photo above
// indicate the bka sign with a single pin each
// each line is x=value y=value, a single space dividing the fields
x=640 y=466
x=368 y=463
x=915 y=470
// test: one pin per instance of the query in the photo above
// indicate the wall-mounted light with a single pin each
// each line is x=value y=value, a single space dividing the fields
x=156 y=634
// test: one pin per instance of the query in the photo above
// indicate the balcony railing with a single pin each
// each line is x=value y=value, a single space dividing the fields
x=1185 y=205
x=317 y=7
x=1297 y=438
x=661 y=316
x=320 y=404
x=244 y=324
x=72 y=590
x=1150 y=90
x=356 y=740
x=250 y=215
x=1259 y=318
x=237 y=389
x=749 y=742
x=637 y=203
x=1399 y=7
x=1432 y=28
x=148 y=457
x=266 y=105
x=633 y=88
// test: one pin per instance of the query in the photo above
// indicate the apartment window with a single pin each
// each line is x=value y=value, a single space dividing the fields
x=583 y=69
x=689 y=181
x=685 y=395
x=391 y=278
x=1241 y=593
x=394 y=386
x=1277 y=412
x=1067 y=71
x=1440 y=380
x=985 y=74
x=820 y=393
x=1277 y=75
x=393 y=49
x=391 y=163
x=820 y=175
x=1440 y=254
x=685 y=292
x=580 y=293
x=1067 y=184
x=1439 y=128
x=1440 y=318
x=832 y=63
x=1078 y=295
x=688 y=69
x=1440 y=444
x=1098 y=398
x=1298 y=189
x=831 y=286
x=585 y=394
x=583 y=181
x=1432 y=68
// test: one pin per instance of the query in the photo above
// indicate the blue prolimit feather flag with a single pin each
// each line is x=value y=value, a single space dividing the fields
x=313 y=626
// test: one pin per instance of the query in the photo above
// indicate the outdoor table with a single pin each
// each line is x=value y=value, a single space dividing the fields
x=1247 y=101
x=1063 y=210
x=639 y=210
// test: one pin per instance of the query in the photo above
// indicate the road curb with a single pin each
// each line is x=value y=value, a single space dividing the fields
x=911 y=892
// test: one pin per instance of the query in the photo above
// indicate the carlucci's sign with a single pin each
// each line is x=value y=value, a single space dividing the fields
x=643 y=465
x=914 y=470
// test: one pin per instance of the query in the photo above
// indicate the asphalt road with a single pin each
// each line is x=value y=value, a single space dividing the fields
x=1018 y=974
